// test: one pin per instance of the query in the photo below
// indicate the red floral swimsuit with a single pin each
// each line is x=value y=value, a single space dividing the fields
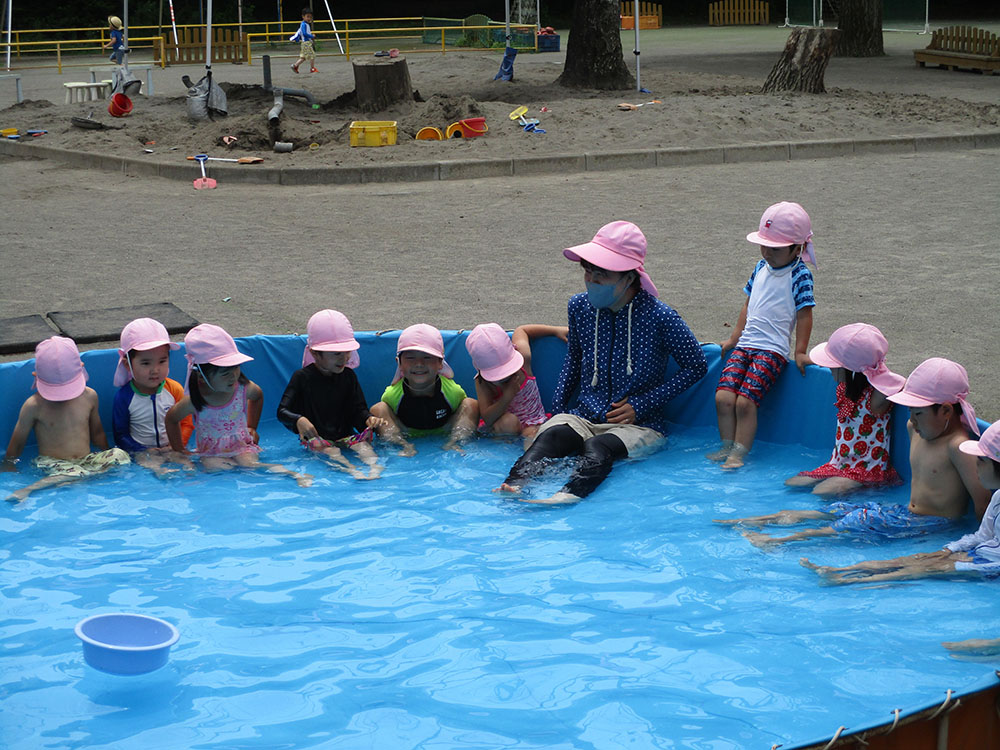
x=861 y=452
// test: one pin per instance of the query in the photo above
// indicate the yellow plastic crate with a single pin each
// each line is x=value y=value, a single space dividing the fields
x=373 y=133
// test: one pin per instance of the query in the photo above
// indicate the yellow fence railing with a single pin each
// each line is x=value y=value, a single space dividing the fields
x=349 y=37
x=63 y=47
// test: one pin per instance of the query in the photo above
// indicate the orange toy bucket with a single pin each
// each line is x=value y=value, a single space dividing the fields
x=120 y=105
x=473 y=126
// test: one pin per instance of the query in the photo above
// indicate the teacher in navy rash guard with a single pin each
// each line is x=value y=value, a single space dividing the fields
x=620 y=340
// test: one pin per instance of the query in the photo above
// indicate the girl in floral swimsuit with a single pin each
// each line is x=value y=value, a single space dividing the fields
x=856 y=354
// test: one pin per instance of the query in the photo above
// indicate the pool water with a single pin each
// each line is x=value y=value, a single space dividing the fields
x=422 y=610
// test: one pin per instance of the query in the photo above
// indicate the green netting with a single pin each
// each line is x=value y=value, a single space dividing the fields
x=433 y=35
x=905 y=15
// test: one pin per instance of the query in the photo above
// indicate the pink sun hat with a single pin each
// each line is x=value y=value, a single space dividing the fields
x=330 y=331
x=938 y=381
x=141 y=334
x=59 y=371
x=493 y=354
x=208 y=344
x=860 y=347
x=988 y=444
x=425 y=338
x=784 y=224
x=618 y=246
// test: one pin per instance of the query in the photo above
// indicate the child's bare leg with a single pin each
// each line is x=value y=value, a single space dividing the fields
x=910 y=566
x=182 y=459
x=249 y=460
x=764 y=541
x=508 y=424
x=339 y=461
x=834 y=486
x=529 y=433
x=367 y=455
x=781 y=518
x=463 y=424
x=52 y=481
x=154 y=462
x=392 y=430
x=746 y=431
x=725 y=412
x=217 y=463
x=974 y=647
x=800 y=481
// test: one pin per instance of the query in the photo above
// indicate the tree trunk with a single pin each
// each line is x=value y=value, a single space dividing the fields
x=380 y=82
x=860 y=24
x=803 y=63
x=594 y=51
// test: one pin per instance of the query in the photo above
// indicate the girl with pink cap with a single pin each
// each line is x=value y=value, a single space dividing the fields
x=226 y=405
x=323 y=402
x=977 y=553
x=423 y=398
x=145 y=395
x=508 y=397
x=65 y=419
x=856 y=355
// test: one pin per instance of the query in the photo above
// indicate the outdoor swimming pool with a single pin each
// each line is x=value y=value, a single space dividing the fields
x=422 y=610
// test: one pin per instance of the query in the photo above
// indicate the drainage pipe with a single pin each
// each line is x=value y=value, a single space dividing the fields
x=287 y=92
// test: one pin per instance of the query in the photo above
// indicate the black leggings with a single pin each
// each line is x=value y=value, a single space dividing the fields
x=597 y=454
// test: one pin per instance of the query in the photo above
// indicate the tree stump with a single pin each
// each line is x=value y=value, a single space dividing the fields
x=380 y=82
x=803 y=63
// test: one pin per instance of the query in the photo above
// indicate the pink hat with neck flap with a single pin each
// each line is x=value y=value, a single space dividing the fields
x=59 y=371
x=860 y=347
x=785 y=224
x=619 y=246
x=425 y=338
x=330 y=331
x=208 y=344
x=142 y=334
x=988 y=444
x=938 y=381
x=493 y=354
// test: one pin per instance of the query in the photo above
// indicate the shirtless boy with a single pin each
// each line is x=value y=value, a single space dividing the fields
x=974 y=553
x=65 y=419
x=944 y=477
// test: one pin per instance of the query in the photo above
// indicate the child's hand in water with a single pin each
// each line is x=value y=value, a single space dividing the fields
x=377 y=423
x=254 y=435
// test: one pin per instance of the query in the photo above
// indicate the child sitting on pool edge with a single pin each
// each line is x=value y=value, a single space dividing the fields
x=506 y=391
x=423 y=398
x=944 y=477
x=978 y=552
x=145 y=396
x=856 y=356
x=64 y=415
x=226 y=405
x=323 y=402
x=779 y=300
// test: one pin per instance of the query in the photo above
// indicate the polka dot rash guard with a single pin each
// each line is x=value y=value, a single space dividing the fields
x=623 y=355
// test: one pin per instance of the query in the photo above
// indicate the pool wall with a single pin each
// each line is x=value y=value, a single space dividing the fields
x=798 y=410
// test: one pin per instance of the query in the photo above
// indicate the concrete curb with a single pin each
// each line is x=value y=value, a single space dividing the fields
x=520 y=166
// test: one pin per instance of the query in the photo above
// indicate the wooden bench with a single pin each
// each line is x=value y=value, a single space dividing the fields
x=17 y=84
x=108 y=68
x=86 y=92
x=962 y=47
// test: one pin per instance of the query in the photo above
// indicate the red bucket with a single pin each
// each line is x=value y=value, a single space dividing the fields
x=473 y=126
x=120 y=105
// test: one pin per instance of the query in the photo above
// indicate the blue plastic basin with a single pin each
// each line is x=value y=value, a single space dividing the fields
x=123 y=643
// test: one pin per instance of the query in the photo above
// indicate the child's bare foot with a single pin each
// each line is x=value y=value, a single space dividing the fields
x=805 y=562
x=727 y=521
x=560 y=498
x=722 y=453
x=375 y=471
x=303 y=480
x=508 y=488
x=18 y=496
x=761 y=541
x=408 y=449
x=736 y=455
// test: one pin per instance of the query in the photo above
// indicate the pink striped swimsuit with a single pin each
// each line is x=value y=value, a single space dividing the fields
x=527 y=404
x=222 y=430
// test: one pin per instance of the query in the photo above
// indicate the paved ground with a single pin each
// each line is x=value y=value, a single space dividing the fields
x=907 y=243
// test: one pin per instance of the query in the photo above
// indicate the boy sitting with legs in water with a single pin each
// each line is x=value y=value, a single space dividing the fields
x=65 y=419
x=944 y=477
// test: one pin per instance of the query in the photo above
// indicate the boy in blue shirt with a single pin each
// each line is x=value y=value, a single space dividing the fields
x=306 y=37
x=117 y=41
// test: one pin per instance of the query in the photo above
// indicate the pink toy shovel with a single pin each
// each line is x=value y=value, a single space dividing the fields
x=204 y=182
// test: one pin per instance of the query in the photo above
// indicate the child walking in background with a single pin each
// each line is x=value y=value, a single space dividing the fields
x=423 y=398
x=944 y=477
x=64 y=415
x=977 y=553
x=506 y=391
x=856 y=355
x=145 y=396
x=305 y=37
x=779 y=300
x=117 y=41
x=225 y=404
x=323 y=402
